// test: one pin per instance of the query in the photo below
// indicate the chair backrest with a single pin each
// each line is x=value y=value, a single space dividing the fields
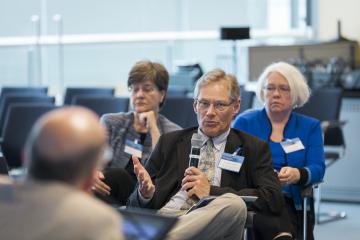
x=13 y=99
x=333 y=136
x=324 y=104
x=180 y=111
x=18 y=124
x=247 y=99
x=177 y=91
x=72 y=92
x=24 y=90
x=19 y=91
x=101 y=105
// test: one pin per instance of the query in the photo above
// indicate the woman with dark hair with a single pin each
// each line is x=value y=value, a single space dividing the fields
x=136 y=132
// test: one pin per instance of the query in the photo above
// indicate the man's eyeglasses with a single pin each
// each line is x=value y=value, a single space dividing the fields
x=218 y=105
x=147 y=88
x=282 y=89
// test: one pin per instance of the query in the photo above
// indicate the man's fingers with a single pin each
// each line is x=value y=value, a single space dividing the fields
x=192 y=171
x=101 y=175
x=102 y=185
x=135 y=160
x=147 y=186
x=151 y=188
x=101 y=191
x=141 y=176
x=99 y=182
x=187 y=186
x=102 y=188
x=137 y=165
x=189 y=178
x=192 y=192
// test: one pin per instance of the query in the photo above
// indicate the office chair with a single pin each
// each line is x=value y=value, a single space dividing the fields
x=248 y=229
x=247 y=99
x=18 y=124
x=177 y=91
x=325 y=105
x=21 y=91
x=180 y=111
x=307 y=194
x=10 y=99
x=71 y=92
x=24 y=90
x=102 y=104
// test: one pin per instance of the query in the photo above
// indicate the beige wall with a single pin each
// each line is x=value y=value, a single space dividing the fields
x=347 y=11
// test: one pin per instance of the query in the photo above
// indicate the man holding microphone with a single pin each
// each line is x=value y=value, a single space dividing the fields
x=231 y=164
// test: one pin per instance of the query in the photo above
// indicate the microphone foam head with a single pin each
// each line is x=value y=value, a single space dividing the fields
x=196 y=140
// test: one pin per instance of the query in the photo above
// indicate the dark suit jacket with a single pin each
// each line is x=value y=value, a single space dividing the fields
x=170 y=157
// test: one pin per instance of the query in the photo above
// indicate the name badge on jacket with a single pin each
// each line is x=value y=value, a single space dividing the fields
x=292 y=145
x=231 y=162
x=133 y=148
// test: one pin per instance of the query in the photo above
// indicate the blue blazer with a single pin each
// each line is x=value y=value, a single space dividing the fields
x=309 y=160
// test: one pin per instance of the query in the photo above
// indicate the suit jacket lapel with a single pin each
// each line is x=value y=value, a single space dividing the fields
x=233 y=141
x=183 y=152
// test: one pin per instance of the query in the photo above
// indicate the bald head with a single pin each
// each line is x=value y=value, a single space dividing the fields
x=65 y=144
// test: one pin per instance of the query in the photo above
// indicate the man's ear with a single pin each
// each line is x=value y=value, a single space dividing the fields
x=195 y=106
x=236 y=106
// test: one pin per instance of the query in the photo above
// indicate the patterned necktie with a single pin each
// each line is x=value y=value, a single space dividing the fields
x=207 y=161
x=207 y=166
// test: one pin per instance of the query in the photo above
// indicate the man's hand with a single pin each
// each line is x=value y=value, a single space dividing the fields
x=289 y=175
x=195 y=183
x=99 y=185
x=146 y=186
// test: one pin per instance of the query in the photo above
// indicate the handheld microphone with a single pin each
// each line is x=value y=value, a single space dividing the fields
x=196 y=143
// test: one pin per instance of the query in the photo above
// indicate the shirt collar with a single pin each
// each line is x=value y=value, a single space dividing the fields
x=218 y=140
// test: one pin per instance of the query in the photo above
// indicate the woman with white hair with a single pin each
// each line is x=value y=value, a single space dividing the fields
x=295 y=140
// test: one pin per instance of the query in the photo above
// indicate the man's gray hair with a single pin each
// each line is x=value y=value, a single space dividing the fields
x=217 y=75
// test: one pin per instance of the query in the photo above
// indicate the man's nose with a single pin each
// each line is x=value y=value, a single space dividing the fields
x=210 y=110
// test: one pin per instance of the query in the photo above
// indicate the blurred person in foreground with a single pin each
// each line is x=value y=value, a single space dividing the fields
x=63 y=152
x=231 y=164
x=135 y=132
x=295 y=140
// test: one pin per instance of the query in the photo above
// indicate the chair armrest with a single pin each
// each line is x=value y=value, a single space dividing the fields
x=307 y=191
x=332 y=124
x=249 y=199
x=249 y=219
